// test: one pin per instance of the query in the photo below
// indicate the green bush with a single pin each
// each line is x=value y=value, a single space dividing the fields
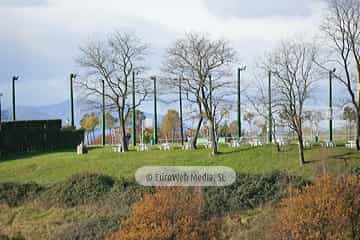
x=13 y=194
x=81 y=189
x=78 y=190
x=355 y=171
x=123 y=194
x=131 y=188
x=248 y=192
x=16 y=237
x=92 y=229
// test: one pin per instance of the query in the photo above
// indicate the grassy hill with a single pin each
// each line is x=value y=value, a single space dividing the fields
x=53 y=167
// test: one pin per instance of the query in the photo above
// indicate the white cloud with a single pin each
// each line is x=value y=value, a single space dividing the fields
x=47 y=37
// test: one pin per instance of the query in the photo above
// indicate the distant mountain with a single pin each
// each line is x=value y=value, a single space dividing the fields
x=56 y=111
x=52 y=111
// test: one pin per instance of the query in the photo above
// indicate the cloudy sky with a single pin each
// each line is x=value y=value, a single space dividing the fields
x=40 y=38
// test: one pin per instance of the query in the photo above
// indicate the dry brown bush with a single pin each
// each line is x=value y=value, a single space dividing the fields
x=328 y=210
x=170 y=213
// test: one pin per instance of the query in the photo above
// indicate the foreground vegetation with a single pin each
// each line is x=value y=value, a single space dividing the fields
x=67 y=196
x=91 y=206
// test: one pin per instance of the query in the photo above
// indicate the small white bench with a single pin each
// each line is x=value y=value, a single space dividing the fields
x=330 y=145
x=81 y=149
x=188 y=146
x=165 y=147
x=143 y=147
x=207 y=145
x=255 y=143
x=282 y=143
x=118 y=148
x=235 y=144
x=351 y=144
x=307 y=145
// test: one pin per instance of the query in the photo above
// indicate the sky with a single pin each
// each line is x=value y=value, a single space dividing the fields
x=40 y=38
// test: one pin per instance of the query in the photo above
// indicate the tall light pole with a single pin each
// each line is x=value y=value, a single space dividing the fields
x=270 y=110
x=0 y=107
x=155 y=138
x=133 y=111
x=103 y=114
x=331 y=105
x=15 y=78
x=181 y=113
x=72 y=77
x=239 y=100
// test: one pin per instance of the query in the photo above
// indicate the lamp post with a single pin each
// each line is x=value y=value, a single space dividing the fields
x=0 y=107
x=155 y=138
x=270 y=110
x=239 y=100
x=15 y=78
x=72 y=77
x=331 y=73
x=181 y=113
x=103 y=114
x=133 y=111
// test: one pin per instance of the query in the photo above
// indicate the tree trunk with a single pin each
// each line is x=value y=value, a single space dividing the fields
x=358 y=111
x=123 y=140
x=194 y=140
x=214 y=145
x=301 y=149
x=358 y=131
x=275 y=138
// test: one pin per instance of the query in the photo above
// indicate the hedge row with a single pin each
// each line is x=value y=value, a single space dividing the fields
x=26 y=136
x=13 y=194
x=248 y=192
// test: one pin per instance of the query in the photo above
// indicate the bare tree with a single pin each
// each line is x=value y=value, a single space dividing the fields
x=342 y=28
x=204 y=65
x=294 y=70
x=114 y=62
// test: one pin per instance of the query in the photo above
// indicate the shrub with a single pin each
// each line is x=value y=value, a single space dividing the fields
x=92 y=229
x=248 y=192
x=124 y=193
x=170 y=213
x=78 y=190
x=13 y=194
x=16 y=237
x=355 y=171
x=330 y=209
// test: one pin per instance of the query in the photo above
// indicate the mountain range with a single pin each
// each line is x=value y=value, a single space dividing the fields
x=56 y=111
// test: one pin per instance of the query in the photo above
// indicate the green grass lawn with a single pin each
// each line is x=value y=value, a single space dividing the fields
x=56 y=166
